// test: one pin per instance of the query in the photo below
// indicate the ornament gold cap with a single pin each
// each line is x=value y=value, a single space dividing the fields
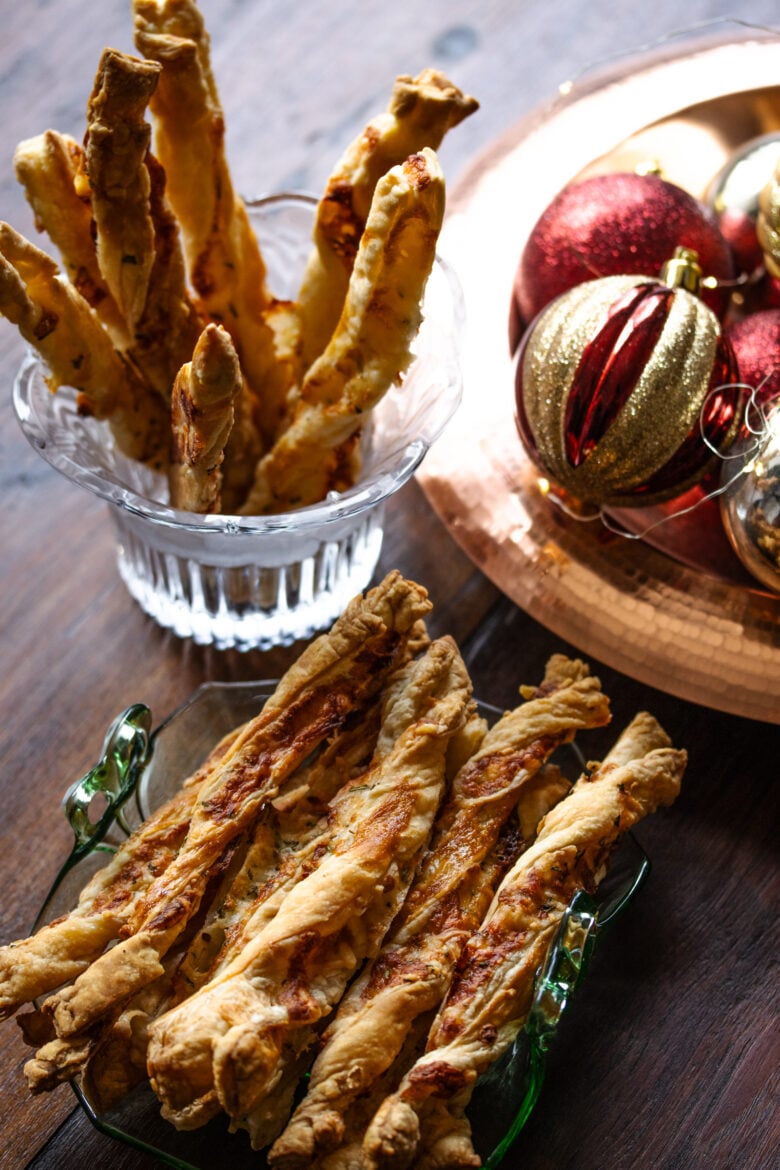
x=683 y=271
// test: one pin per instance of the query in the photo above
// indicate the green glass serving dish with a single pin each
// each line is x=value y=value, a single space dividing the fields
x=139 y=769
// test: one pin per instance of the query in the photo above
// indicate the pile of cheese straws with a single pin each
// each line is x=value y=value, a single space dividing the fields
x=362 y=882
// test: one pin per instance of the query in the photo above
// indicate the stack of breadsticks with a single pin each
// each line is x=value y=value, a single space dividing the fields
x=162 y=318
x=360 y=883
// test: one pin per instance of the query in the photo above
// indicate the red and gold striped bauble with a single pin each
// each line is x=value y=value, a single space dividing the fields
x=626 y=387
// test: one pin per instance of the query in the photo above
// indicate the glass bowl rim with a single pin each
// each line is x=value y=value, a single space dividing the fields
x=351 y=503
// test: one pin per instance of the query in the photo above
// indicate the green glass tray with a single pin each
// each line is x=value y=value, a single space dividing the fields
x=139 y=769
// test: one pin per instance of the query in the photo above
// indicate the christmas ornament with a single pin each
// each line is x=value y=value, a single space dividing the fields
x=625 y=387
x=756 y=344
x=617 y=224
x=750 y=504
x=734 y=195
x=768 y=223
x=758 y=294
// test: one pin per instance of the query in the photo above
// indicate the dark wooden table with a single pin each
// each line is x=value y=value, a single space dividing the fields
x=669 y=1060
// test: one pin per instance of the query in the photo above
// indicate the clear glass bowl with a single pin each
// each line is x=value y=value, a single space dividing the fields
x=248 y=581
x=140 y=769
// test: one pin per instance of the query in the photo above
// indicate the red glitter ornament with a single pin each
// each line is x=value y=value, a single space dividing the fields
x=617 y=224
x=756 y=344
x=738 y=228
x=760 y=295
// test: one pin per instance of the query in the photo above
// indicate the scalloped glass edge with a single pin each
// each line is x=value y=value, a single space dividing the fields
x=126 y=770
x=45 y=417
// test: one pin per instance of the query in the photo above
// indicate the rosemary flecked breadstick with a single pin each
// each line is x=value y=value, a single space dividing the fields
x=167 y=331
x=421 y=110
x=333 y=675
x=446 y=903
x=56 y=320
x=50 y=167
x=116 y=146
x=224 y=262
x=202 y=408
x=371 y=345
x=491 y=994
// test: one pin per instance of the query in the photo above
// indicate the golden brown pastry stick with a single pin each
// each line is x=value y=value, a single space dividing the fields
x=167 y=331
x=284 y=320
x=202 y=406
x=117 y=142
x=371 y=346
x=61 y=950
x=446 y=903
x=490 y=997
x=421 y=111
x=332 y=676
x=243 y=452
x=289 y=839
x=57 y=322
x=225 y=266
x=60 y=1059
x=182 y=19
x=295 y=969
x=349 y=1155
x=50 y=167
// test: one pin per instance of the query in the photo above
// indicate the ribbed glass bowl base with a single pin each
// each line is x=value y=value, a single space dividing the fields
x=248 y=605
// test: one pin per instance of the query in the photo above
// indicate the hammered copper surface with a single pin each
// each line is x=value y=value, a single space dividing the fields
x=701 y=631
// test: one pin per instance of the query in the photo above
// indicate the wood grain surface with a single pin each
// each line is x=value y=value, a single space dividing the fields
x=669 y=1059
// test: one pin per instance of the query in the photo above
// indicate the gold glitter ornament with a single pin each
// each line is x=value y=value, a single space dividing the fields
x=768 y=223
x=626 y=388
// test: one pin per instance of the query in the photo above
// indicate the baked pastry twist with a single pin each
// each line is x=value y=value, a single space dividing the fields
x=421 y=111
x=202 y=409
x=472 y=847
x=490 y=997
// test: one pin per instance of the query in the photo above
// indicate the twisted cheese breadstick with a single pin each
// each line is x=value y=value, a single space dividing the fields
x=295 y=969
x=50 y=167
x=422 y=109
x=117 y=142
x=167 y=331
x=333 y=675
x=492 y=992
x=225 y=265
x=371 y=346
x=202 y=407
x=56 y=321
x=446 y=903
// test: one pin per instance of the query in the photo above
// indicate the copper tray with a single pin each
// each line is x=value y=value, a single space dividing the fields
x=693 y=624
